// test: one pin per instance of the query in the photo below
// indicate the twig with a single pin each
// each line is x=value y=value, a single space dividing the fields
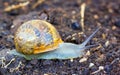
x=13 y=7
x=37 y=3
x=117 y=59
x=100 y=69
x=17 y=68
x=13 y=59
x=82 y=12
x=2 y=60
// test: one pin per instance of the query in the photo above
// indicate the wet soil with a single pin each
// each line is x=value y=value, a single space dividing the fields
x=65 y=16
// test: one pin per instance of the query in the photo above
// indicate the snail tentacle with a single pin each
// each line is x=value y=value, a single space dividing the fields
x=89 y=38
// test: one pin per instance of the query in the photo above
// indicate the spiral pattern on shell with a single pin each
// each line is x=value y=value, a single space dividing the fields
x=36 y=36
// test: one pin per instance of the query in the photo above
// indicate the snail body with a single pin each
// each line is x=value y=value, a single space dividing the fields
x=40 y=40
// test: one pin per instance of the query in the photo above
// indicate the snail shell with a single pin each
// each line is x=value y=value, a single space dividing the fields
x=36 y=36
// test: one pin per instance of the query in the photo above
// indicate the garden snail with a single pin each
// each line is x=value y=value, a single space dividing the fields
x=40 y=40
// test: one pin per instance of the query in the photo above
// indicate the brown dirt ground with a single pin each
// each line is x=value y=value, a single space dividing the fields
x=61 y=13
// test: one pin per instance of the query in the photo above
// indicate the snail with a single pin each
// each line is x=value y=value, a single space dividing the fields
x=38 y=39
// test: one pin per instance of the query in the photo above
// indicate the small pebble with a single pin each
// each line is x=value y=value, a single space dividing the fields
x=83 y=59
x=44 y=16
x=96 y=16
x=94 y=68
x=75 y=26
x=47 y=62
x=91 y=65
x=29 y=66
x=8 y=57
x=101 y=58
x=87 y=53
x=103 y=36
x=107 y=43
x=117 y=23
x=1 y=36
x=33 y=62
x=74 y=74
x=14 y=13
x=1 y=47
x=114 y=40
x=45 y=74
x=5 y=32
x=101 y=67
x=114 y=27
x=86 y=72
x=3 y=52
x=71 y=60
x=108 y=68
